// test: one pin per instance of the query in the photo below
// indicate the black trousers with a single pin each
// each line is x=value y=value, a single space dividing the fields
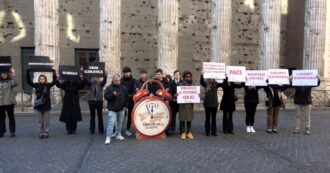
x=9 y=110
x=185 y=126
x=96 y=107
x=210 y=113
x=71 y=126
x=250 y=109
x=129 y=117
x=227 y=121
x=175 y=110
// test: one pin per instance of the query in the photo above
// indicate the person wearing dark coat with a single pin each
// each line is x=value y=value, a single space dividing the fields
x=211 y=104
x=129 y=82
x=143 y=78
x=227 y=104
x=154 y=87
x=303 y=105
x=42 y=89
x=70 y=113
x=117 y=97
x=174 y=104
x=251 y=101
x=274 y=101
x=95 y=102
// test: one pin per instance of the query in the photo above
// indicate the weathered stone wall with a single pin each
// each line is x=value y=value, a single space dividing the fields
x=79 y=28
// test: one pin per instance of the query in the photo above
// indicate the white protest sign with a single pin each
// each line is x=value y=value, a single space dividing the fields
x=188 y=94
x=236 y=73
x=214 y=70
x=278 y=76
x=256 y=77
x=304 y=78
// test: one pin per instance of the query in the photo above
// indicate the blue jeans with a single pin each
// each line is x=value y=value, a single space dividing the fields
x=115 y=118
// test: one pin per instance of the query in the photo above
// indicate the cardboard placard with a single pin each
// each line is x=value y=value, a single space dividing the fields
x=188 y=94
x=68 y=72
x=236 y=73
x=278 y=76
x=214 y=70
x=95 y=69
x=304 y=78
x=40 y=63
x=5 y=63
x=256 y=78
x=49 y=76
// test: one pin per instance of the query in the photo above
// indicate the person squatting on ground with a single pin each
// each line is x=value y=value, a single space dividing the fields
x=42 y=90
x=117 y=97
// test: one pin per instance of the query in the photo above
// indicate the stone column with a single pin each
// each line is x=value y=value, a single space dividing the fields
x=269 y=34
x=168 y=28
x=221 y=31
x=46 y=33
x=315 y=35
x=110 y=35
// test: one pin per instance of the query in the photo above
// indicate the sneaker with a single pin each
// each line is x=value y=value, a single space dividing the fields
x=307 y=131
x=183 y=136
x=295 y=131
x=46 y=135
x=128 y=133
x=41 y=135
x=107 y=141
x=248 y=129
x=190 y=136
x=12 y=135
x=252 y=129
x=274 y=130
x=120 y=137
x=113 y=135
x=269 y=131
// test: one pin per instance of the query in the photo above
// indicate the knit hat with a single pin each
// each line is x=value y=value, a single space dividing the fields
x=126 y=69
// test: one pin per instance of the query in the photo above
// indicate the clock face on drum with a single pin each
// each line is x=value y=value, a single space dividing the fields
x=151 y=116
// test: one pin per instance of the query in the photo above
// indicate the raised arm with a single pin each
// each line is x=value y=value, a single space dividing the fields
x=104 y=81
x=202 y=81
x=28 y=79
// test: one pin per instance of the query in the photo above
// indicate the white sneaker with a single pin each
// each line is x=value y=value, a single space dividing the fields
x=248 y=129
x=107 y=141
x=113 y=135
x=128 y=133
x=252 y=129
x=120 y=137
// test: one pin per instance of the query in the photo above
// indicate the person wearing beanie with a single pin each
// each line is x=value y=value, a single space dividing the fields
x=129 y=82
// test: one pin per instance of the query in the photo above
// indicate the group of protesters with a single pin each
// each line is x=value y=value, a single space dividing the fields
x=119 y=96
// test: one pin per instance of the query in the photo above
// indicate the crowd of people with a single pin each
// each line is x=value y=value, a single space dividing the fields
x=119 y=97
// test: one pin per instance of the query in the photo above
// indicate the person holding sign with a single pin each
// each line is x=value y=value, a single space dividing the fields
x=95 y=101
x=227 y=104
x=42 y=88
x=186 y=111
x=7 y=101
x=303 y=105
x=117 y=97
x=274 y=101
x=210 y=104
x=71 y=113
x=251 y=100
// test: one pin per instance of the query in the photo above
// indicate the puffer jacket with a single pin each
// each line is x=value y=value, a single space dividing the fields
x=7 y=94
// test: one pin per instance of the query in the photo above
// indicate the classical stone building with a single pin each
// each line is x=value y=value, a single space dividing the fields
x=170 y=34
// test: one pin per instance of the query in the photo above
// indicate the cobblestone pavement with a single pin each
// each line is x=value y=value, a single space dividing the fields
x=241 y=152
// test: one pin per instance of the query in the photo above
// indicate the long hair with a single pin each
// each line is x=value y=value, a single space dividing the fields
x=44 y=76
